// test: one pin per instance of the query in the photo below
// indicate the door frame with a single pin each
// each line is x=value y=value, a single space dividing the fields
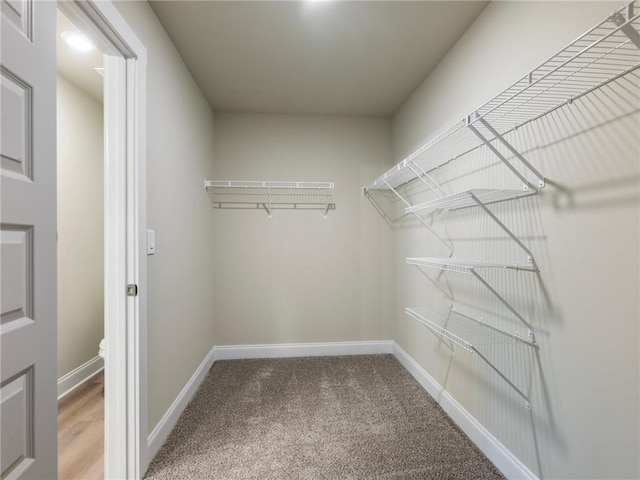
x=125 y=446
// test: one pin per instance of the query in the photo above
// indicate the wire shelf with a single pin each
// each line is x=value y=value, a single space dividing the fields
x=271 y=195
x=470 y=198
x=606 y=52
x=471 y=335
x=467 y=267
x=463 y=330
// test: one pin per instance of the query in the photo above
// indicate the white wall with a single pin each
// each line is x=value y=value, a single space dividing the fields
x=80 y=226
x=584 y=383
x=179 y=157
x=298 y=277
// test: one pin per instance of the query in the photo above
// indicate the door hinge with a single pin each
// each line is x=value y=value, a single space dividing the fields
x=132 y=290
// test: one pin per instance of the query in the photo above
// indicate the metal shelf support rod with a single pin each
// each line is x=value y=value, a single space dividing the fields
x=504 y=377
x=625 y=26
x=503 y=159
x=422 y=175
x=513 y=236
x=267 y=209
x=506 y=304
x=444 y=242
x=439 y=333
x=514 y=151
x=437 y=285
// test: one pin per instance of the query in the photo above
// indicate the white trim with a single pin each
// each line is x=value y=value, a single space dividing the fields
x=281 y=350
x=115 y=269
x=161 y=431
x=72 y=380
x=500 y=455
x=125 y=325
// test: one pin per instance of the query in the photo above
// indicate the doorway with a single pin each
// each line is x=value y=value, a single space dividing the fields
x=81 y=239
x=124 y=274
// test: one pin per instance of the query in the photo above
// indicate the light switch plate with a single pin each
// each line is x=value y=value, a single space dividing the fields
x=151 y=242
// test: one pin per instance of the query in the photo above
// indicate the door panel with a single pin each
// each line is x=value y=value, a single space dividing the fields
x=16 y=276
x=28 y=240
x=17 y=423
x=19 y=13
x=15 y=146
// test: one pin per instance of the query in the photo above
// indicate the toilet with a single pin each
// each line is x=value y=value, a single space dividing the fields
x=102 y=348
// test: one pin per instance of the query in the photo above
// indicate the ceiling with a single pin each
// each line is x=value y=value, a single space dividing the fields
x=313 y=57
x=78 y=67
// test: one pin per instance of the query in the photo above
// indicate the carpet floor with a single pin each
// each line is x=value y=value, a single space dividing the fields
x=356 y=417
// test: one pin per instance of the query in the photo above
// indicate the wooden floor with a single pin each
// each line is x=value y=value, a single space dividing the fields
x=81 y=432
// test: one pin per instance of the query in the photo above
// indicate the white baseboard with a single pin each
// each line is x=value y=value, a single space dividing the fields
x=72 y=380
x=161 y=431
x=502 y=458
x=281 y=350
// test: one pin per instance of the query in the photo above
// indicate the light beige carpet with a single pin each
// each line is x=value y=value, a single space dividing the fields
x=358 y=417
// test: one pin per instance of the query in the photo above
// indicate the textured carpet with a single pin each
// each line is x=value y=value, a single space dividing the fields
x=359 y=417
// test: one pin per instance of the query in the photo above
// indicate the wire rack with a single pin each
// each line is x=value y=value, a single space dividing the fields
x=271 y=195
x=463 y=330
x=471 y=335
x=467 y=267
x=606 y=52
x=470 y=198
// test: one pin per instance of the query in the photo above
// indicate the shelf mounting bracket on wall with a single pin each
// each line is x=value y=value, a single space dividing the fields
x=526 y=183
x=471 y=267
x=507 y=230
x=267 y=208
x=432 y=184
x=420 y=219
x=480 y=198
x=469 y=334
x=624 y=22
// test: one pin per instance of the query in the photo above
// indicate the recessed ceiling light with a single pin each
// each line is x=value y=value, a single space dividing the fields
x=77 y=41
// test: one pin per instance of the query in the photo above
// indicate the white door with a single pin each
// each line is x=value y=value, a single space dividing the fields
x=28 y=240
